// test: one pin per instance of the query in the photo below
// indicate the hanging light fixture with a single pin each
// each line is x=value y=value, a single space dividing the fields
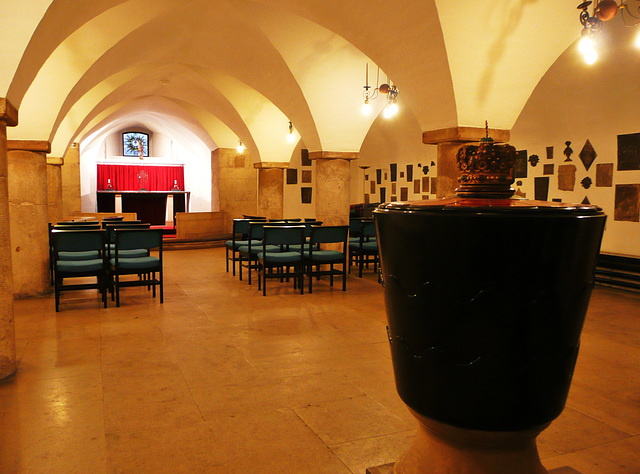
x=604 y=10
x=388 y=89
x=290 y=136
x=241 y=148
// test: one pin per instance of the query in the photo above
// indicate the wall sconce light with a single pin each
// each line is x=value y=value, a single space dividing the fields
x=390 y=90
x=290 y=136
x=241 y=148
x=604 y=10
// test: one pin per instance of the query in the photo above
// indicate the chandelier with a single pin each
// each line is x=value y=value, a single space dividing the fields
x=387 y=89
x=604 y=10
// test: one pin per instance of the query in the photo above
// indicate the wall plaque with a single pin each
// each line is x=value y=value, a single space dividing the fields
x=627 y=206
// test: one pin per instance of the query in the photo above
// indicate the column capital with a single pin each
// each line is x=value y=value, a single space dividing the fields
x=8 y=113
x=29 y=145
x=334 y=155
x=270 y=165
x=55 y=161
x=463 y=135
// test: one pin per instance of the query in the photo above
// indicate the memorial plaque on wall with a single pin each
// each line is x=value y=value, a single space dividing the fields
x=373 y=187
x=379 y=176
x=305 y=194
x=292 y=176
x=520 y=168
x=393 y=169
x=425 y=184
x=566 y=177
x=367 y=199
x=604 y=175
x=304 y=157
x=306 y=176
x=549 y=153
x=393 y=188
x=541 y=188
x=416 y=186
x=409 y=173
x=629 y=152
x=547 y=169
x=434 y=185
x=404 y=194
x=383 y=194
x=627 y=206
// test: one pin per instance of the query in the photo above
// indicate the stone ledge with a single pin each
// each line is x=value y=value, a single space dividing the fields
x=333 y=155
x=8 y=113
x=29 y=145
x=463 y=135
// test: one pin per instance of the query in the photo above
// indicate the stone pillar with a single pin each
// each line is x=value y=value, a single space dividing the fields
x=333 y=173
x=234 y=184
x=71 y=198
x=449 y=141
x=29 y=213
x=54 y=188
x=271 y=189
x=8 y=117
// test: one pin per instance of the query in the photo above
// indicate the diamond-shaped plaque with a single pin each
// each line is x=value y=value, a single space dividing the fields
x=588 y=155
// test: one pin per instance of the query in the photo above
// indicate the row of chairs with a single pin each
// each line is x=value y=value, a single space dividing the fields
x=275 y=248
x=121 y=249
x=288 y=250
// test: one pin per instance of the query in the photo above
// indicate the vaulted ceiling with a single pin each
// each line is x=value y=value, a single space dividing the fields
x=239 y=69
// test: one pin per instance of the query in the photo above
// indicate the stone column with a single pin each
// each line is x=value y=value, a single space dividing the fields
x=71 y=197
x=29 y=213
x=449 y=141
x=234 y=184
x=8 y=117
x=333 y=174
x=271 y=189
x=54 y=188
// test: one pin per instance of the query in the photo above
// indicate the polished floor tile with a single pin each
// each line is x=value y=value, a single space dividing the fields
x=220 y=379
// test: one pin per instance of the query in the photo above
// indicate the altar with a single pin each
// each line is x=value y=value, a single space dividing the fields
x=150 y=206
x=152 y=191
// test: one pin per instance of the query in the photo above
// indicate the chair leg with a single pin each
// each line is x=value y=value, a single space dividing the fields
x=331 y=274
x=161 y=286
x=103 y=288
x=300 y=276
x=153 y=277
x=227 y=258
x=344 y=276
x=233 y=262
x=117 y=290
x=264 y=283
x=58 y=283
x=310 y=275
x=360 y=265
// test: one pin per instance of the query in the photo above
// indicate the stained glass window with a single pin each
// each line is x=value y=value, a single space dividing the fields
x=131 y=142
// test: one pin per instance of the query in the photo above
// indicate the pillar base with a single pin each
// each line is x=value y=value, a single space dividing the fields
x=440 y=448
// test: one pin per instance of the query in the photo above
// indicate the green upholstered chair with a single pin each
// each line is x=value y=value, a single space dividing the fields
x=121 y=264
x=71 y=255
x=89 y=242
x=238 y=239
x=317 y=257
x=248 y=254
x=365 y=250
x=276 y=263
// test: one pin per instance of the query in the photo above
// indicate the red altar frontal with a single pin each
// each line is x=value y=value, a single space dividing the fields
x=151 y=191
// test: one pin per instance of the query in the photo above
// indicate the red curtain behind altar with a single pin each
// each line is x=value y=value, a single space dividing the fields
x=126 y=177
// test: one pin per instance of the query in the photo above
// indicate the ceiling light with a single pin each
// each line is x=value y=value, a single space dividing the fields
x=290 y=136
x=604 y=10
x=387 y=89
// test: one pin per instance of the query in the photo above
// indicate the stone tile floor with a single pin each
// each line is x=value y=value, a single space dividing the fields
x=222 y=379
